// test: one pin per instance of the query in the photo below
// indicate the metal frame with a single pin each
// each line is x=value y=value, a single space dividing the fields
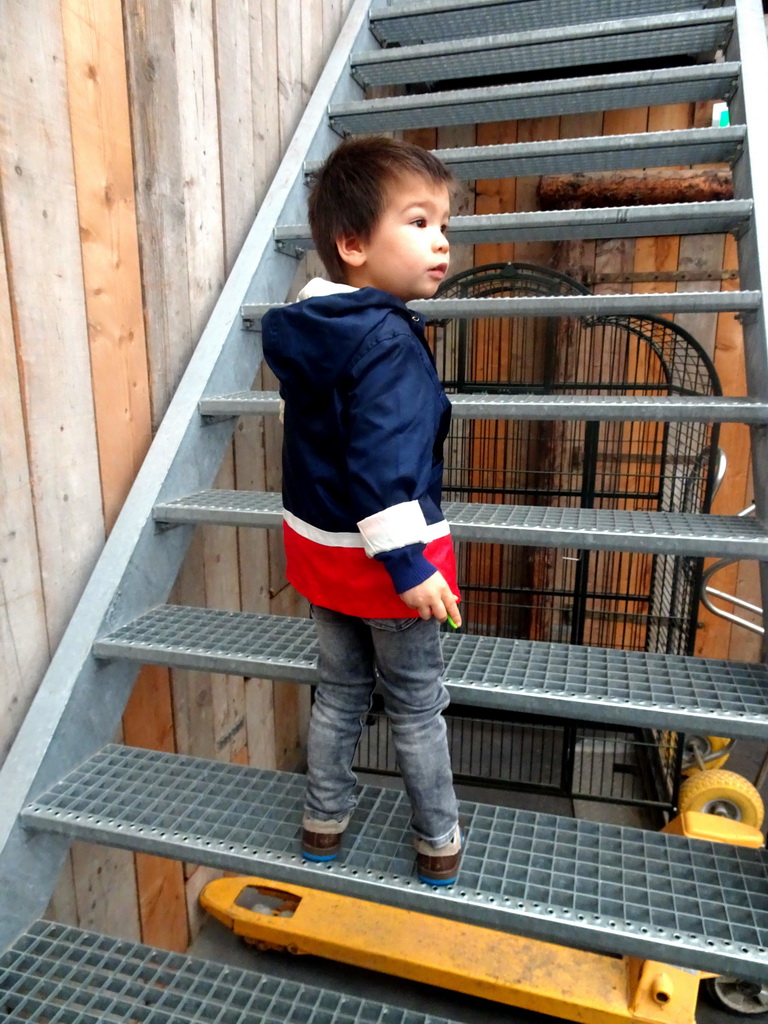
x=750 y=174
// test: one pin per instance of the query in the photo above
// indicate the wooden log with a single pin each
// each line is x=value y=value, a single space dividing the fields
x=634 y=188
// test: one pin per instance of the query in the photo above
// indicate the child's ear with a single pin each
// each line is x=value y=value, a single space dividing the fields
x=351 y=250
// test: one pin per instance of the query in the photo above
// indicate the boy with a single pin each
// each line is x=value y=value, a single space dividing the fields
x=366 y=543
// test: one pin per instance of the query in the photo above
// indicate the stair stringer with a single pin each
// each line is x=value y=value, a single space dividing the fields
x=77 y=708
x=750 y=179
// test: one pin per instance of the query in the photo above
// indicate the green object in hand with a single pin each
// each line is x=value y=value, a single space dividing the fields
x=451 y=623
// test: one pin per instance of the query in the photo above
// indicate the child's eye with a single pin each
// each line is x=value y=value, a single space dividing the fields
x=420 y=222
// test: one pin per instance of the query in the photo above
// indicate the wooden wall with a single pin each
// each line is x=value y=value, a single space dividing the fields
x=137 y=139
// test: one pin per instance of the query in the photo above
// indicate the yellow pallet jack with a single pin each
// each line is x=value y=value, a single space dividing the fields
x=589 y=988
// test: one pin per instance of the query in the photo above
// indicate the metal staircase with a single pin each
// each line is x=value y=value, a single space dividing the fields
x=689 y=903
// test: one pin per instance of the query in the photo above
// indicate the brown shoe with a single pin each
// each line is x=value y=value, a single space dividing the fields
x=321 y=840
x=439 y=865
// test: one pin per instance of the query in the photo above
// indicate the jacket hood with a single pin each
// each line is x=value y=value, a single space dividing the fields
x=314 y=338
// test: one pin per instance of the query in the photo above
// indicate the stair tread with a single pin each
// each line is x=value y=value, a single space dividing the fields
x=678 y=533
x=596 y=153
x=694 y=903
x=405 y=23
x=602 y=222
x=586 y=683
x=537 y=99
x=635 y=303
x=84 y=977
x=583 y=44
x=593 y=153
x=664 y=408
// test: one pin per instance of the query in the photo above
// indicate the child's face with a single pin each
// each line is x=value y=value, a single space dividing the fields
x=407 y=253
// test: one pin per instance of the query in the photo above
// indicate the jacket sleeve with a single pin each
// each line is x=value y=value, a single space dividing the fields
x=391 y=432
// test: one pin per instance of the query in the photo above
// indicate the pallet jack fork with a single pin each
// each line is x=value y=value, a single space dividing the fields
x=576 y=985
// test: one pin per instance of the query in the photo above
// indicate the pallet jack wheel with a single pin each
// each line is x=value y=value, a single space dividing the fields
x=706 y=746
x=737 y=997
x=724 y=793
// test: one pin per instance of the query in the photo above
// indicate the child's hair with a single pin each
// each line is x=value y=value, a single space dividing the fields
x=348 y=193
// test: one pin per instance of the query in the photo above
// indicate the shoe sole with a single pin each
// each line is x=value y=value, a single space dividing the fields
x=318 y=858
x=438 y=881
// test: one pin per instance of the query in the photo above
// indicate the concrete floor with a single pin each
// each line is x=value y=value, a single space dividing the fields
x=217 y=943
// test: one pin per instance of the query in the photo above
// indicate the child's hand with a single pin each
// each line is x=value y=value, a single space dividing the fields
x=433 y=597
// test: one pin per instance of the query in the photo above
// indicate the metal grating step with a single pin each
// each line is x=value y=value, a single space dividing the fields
x=421 y=22
x=586 y=44
x=58 y=973
x=730 y=215
x=635 y=408
x=600 y=153
x=593 y=529
x=595 y=153
x=585 y=683
x=537 y=99
x=637 y=303
x=696 y=904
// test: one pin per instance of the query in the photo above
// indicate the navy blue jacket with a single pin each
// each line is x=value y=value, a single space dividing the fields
x=365 y=420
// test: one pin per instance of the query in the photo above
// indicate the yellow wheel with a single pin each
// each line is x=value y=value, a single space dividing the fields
x=724 y=793
x=706 y=746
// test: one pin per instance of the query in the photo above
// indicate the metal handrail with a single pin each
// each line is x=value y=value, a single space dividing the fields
x=707 y=592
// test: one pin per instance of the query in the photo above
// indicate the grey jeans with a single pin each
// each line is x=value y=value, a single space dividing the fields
x=403 y=657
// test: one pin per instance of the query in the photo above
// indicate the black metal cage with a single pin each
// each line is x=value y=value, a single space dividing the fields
x=632 y=601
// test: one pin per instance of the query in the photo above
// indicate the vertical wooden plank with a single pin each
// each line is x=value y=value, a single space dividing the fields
x=40 y=220
x=106 y=902
x=62 y=906
x=526 y=198
x=716 y=635
x=267 y=147
x=101 y=142
x=462 y=256
x=314 y=46
x=290 y=102
x=148 y=722
x=236 y=103
x=23 y=634
x=625 y=122
x=495 y=195
x=200 y=158
x=160 y=193
x=699 y=255
x=670 y=117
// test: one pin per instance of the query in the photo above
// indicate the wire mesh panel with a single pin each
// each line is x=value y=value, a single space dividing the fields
x=637 y=767
x=623 y=600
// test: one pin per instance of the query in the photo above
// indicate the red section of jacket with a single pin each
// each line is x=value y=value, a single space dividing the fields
x=346 y=580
